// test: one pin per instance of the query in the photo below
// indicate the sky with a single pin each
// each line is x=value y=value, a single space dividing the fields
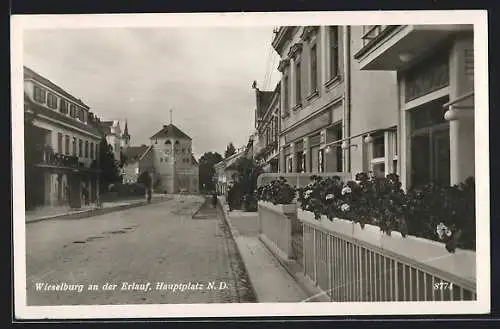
x=139 y=74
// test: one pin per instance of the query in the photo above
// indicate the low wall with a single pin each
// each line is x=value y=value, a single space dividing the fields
x=354 y=264
x=276 y=226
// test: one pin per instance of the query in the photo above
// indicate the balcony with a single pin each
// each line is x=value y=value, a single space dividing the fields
x=47 y=158
x=393 y=47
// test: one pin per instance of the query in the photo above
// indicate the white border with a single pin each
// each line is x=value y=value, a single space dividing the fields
x=476 y=17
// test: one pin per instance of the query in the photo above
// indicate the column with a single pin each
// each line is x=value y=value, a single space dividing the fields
x=292 y=153
x=307 y=154
x=461 y=119
x=282 y=168
x=323 y=147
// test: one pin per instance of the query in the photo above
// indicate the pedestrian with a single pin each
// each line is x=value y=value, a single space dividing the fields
x=149 y=195
x=230 y=196
x=214 y=199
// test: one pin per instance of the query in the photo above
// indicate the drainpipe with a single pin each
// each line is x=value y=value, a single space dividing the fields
x=347 y=98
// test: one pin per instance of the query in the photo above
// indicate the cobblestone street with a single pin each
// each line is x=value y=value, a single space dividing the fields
x=157 y=253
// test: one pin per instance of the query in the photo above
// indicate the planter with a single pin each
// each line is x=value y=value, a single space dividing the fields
x=280 y=208
x=462 y=263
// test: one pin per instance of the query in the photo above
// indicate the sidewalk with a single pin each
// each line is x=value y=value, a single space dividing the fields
x=45 y=213
x=270 y=280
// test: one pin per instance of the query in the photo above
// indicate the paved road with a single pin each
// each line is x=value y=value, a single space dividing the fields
x=152 y=254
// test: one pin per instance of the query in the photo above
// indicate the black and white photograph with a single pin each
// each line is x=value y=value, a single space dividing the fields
x=250 y=164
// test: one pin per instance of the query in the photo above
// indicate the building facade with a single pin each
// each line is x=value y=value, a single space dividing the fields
x=175 y=168
x=61 y=146
x=138 y=159
x=435 y=77
x=328 y=103
x=226 y=174
x=267 y=123
x=113 y=134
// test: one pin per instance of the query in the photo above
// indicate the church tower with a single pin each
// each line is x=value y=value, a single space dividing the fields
x=125 y=137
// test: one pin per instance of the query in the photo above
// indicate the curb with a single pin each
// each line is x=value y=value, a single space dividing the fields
x=293 y=269
x=96 y=211
x=234 y=235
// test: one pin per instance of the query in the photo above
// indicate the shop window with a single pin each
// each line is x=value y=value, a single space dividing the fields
x=430 y=145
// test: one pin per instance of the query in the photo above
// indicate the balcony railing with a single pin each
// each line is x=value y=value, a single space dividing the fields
x=373 y=31
x=47 y=157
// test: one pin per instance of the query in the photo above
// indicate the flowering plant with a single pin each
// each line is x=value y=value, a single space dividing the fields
x=278 y=192
x=444 y=214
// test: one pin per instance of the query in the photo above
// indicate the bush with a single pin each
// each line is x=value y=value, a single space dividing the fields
x=250 y=202
x=278 y=192
x=445 y=214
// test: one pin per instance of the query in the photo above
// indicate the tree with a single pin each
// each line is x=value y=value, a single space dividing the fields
x=230 y=150
x=207 y=170
x=248 y=172
x=109 y=169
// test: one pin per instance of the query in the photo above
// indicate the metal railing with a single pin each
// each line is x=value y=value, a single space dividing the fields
x=349 y=270
x=372 y=31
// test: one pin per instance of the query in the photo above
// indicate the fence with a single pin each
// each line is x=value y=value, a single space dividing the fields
x=299 y=179
x=351 y=264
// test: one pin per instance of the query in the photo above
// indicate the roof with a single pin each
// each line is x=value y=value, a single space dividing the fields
x=29 y=73
x=263 y=99
x=229 y=161
x=106 y=127
x=41 y=110
x=170 y=131
x=193 y=160
x=125 y=132
x=135 y=152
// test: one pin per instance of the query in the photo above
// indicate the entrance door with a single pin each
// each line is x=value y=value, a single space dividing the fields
x=75 y=200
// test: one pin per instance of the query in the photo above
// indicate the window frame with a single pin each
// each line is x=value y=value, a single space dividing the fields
x=38 y=96
x=298 y=81
x=313 y=67
x=52 y=105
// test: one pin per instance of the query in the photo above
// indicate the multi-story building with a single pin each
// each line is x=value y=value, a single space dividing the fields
x=267 y=121
x=61 y=145
x=328 y=103
x=435 y=77
x=175 y=168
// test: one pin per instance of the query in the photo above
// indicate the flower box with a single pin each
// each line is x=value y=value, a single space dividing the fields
x=462 y=263
x=280 y=208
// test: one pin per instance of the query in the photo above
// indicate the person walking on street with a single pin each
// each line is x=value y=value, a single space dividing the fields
x=214 y=199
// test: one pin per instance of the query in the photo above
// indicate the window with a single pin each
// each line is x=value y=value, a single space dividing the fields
x=183 y=150
x=82 y=115
x=66 y=145
x=298 y=91
x=276 y=125
x=314 y=68
x=161 y=159
x=378 y=146
x=80 y=148
x=72 y=110
x=64 y=107
x=39 y=94
x=430 y=145
x=285 y=94
x=92 y=151
x=74 y=146
x=86 y=149
x=59 y=143
x=334 y=51
x=299 y=158
x=51 y=101
x=96 y=151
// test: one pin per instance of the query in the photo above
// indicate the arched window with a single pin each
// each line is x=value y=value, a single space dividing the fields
x=168 y=142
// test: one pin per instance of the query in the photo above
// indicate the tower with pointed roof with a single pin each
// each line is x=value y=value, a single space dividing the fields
x=125 y=137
